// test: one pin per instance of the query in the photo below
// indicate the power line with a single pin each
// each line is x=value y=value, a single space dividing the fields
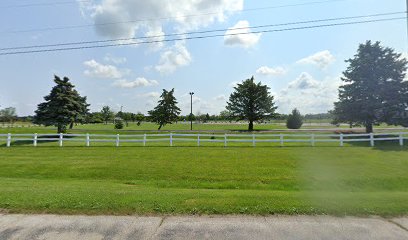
x=167 y=18
x=200 y=32
x=199 y=37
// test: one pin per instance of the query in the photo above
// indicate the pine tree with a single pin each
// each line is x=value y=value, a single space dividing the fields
x=166 y=110
x=295 y=120
x=252 y=102
x=374 y=91
x=62 y=106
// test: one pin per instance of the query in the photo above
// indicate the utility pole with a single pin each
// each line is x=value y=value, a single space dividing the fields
x=407 y=18
x=191 y=110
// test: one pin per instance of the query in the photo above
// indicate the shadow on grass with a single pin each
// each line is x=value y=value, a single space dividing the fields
x=382 y=145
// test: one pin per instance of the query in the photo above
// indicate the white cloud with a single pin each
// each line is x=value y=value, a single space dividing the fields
x=321 y=59
x=128 y=15
x=317 y=98
x=175 y=57
x=241 y=36
x=220 y=98
x=304 y=81
x=115 y=60
x=127 y=19
x=139 y=82
x=154 y=95
x=98 y=70
x=268 y=71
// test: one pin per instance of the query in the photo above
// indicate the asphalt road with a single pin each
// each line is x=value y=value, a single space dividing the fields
x=46 y=227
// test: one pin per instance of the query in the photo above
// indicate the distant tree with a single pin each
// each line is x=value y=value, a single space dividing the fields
x=127 y=117
x=119 y=124
x=107 y=114
x=207 y=118
x=8 y=115
x=374 y=91
x=191 y=117
x=252 y=102
x=166 y=111
x=94 y=117
x=294 y=120
x=224 y=115
x=139 y=117
x=61 y=107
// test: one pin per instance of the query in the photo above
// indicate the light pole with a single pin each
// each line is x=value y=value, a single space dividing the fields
x=407 y=17
x=191 y=111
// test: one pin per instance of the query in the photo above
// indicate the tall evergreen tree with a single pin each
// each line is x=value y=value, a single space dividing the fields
x=62 y=106
x=374 y=91
x=166 y=110
x=252 y=102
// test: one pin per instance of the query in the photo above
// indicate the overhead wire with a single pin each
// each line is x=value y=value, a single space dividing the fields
x=197 y=37
x=202 y=32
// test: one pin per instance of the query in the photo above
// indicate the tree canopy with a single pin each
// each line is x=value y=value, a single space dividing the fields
x=8 y=114
x=166 y=111
x=295 y=120
x=62 y=106
x=374 y=89
x=107 y=114
x=252 y=102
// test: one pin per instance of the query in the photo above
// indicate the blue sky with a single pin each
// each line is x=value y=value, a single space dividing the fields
x=302 y=67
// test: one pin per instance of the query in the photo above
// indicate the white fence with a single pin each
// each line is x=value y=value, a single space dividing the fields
x=198 y=139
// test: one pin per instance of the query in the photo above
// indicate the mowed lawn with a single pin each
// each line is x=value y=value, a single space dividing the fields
x=206 y=180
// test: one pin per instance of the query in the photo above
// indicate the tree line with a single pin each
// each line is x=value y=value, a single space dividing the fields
x=374 y=91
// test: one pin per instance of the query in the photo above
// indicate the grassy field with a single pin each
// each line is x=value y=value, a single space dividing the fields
x=210 y=180
x=148 y=127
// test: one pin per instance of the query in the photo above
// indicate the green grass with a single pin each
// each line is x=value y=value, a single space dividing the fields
x=149 y=127
x=209 y=180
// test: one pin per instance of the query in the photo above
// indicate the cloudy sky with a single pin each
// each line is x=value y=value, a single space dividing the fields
x=302 y=67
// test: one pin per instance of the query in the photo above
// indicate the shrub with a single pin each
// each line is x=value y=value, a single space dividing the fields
x=295 y=120
x=119 y=124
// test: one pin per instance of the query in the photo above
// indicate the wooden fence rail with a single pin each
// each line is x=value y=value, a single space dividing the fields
x=171 y=138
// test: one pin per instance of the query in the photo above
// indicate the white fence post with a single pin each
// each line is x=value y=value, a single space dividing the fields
x=144 y=140
x=371 y=139
x=171 y=139
x=87 y=140
x=198 y=140
x=341 y=140
x=8 y=139
x=225 y=140
x=253 y=140
x=61 y=136
x=117 y=140
x=281 y=139
x=401 y=139
x=35 y=139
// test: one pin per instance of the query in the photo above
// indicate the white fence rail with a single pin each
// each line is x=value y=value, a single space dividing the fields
x=171 y=138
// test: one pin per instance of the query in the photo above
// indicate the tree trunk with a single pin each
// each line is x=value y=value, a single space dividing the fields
x=160 y=126
x=369 y=127
x=61 y=128
x=71 y=125
x=251 y=126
